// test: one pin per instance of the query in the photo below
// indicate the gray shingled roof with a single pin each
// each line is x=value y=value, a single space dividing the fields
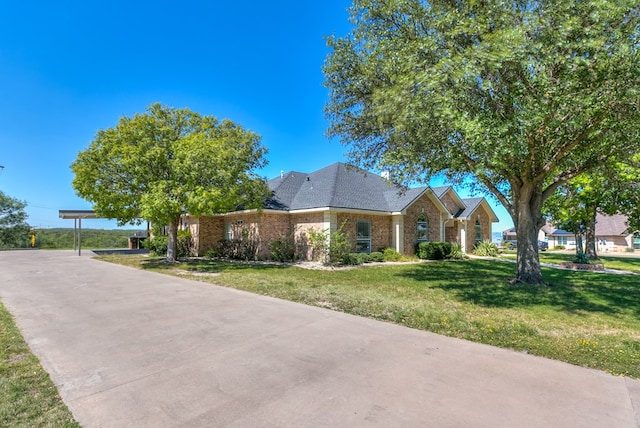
x=339 y=186
x=470 y=206
x=611 y=225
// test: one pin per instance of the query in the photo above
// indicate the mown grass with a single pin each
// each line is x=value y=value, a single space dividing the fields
x=584 y=318
x=28 y=397
x=610 y=261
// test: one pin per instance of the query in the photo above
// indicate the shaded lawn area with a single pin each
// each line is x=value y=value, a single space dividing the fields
x=609 y=260
x=28 y=397
x=584 y=318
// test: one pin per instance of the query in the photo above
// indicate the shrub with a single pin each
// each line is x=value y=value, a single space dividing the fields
x=456 y=251
x=629 y=250
x=336 y=252
x=236 y=249
x=157 y=245
x=581 y=258
x=283 y=248
x=433 y=250
x=363 y=258
x=185 y=244
x=559 y=247
x=351 y=259
x=376 y=256
x=486 y=249
x=391 y=255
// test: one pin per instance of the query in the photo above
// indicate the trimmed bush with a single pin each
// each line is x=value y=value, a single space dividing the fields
x=391 y=255
x=351 y=259
x=363 y=258
x=433 y=250
x=376 y=256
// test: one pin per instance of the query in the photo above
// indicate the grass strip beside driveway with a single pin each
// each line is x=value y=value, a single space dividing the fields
x=28 y=397
x=583 y=318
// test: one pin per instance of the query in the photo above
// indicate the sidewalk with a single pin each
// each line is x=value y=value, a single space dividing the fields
x=129 y=348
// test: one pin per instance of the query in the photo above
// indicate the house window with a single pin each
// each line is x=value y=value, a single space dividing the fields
x=422 y=229
x=636 y=241
x=228 y=231
x=478 y=238
x=562 y=240
x=363 y=236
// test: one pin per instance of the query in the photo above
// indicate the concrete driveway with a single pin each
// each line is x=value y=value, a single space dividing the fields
x=129 y=348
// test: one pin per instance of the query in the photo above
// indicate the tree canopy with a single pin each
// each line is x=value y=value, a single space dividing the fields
x=14 y=230
x=521 y=96
x=168 y=162
x=609 y=189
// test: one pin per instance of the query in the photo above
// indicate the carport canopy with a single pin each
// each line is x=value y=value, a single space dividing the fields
x=77 y=216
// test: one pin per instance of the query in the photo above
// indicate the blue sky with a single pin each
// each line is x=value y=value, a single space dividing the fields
x=70 y=68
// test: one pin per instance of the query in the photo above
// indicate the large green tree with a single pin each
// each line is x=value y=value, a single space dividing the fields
x=168 y=162
x=519 y=96
x=609 y=189
x=14 y=230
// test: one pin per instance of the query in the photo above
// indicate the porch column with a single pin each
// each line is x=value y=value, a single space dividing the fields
x=330 y=223
x=397 y=233
x=463 y=235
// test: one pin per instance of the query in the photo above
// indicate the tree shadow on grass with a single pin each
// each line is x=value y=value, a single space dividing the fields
x=486 y=283
x=207 y=265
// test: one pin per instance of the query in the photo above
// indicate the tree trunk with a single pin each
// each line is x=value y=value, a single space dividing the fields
x=579 y=243
x=172 y=241
x=590 y=235
x=528 y=221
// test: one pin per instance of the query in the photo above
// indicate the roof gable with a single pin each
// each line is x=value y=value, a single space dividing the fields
x=471 y=206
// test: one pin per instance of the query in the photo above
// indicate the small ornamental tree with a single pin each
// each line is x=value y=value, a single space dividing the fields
x=14 y=230
x=517 y=96
x=168 y=162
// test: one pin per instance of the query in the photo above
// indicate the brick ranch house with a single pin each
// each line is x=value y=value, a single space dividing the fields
x=375 y=214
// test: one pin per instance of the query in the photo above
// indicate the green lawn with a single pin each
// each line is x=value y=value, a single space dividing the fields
x=610 y=261
x=28 y=397
x=588 y=319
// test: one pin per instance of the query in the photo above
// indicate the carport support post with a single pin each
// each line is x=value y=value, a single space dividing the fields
x=79 y=236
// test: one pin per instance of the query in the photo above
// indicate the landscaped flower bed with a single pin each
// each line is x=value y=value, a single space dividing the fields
x=582 y=266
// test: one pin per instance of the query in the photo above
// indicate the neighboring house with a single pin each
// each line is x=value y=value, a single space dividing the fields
x=612 y=234
x=375 y=213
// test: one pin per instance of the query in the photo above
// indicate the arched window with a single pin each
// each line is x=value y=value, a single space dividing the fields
x=422 y=229
x=636 y=240
x=478 y=237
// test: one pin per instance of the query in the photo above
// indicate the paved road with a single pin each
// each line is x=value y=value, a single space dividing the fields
x=129 y=348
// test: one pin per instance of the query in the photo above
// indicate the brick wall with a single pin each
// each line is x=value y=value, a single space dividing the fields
x=425 y=206
x=485 y=220
x=302 y=224
x=380 y=229
x=211 y=230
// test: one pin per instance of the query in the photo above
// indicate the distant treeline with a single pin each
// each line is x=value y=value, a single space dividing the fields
x=91 y=238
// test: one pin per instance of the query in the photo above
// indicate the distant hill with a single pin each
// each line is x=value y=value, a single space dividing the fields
x=61 y=238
